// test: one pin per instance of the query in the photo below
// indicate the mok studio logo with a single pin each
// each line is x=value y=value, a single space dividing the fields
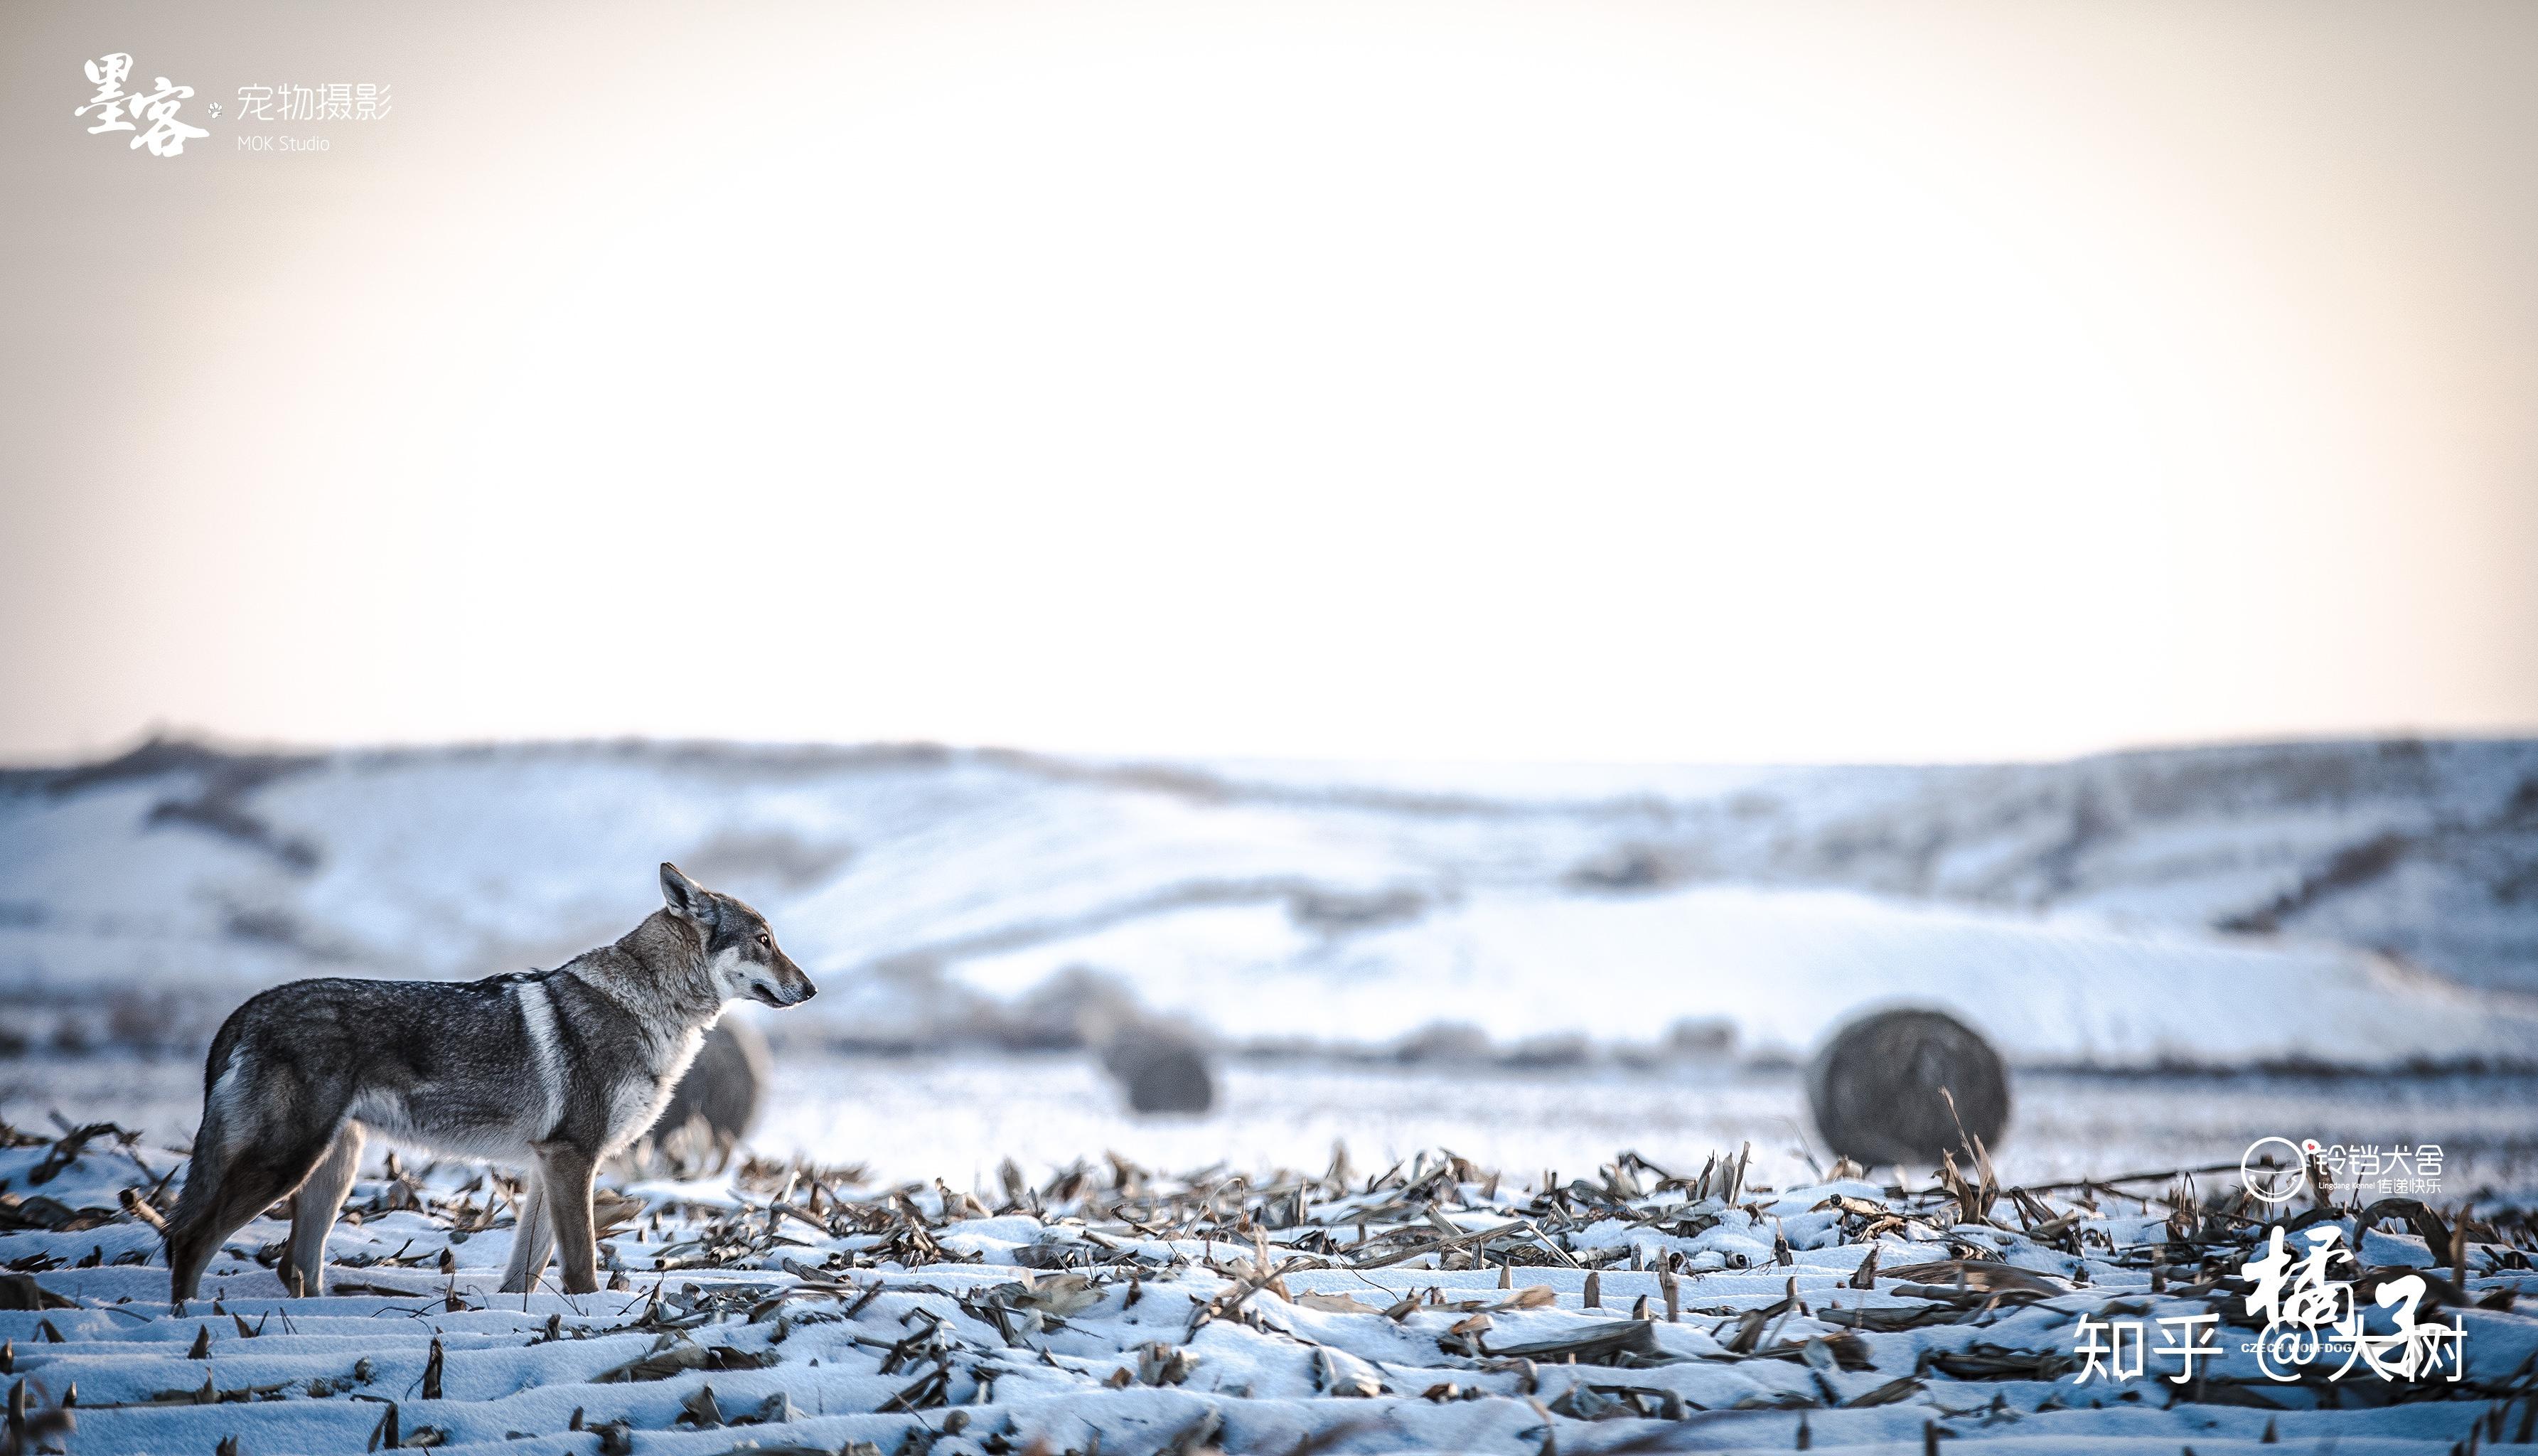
x=118 y=109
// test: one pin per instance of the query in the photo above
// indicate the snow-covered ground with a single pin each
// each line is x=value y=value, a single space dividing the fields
x=958 y=1117
x=2213 y=906
x=1116 y=1308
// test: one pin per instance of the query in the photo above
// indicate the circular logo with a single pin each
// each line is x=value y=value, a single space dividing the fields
x=2262 y=1169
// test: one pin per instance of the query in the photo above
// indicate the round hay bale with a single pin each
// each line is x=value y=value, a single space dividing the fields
x=1876 y=1086
x=1161 y=1070
x=717 y=1101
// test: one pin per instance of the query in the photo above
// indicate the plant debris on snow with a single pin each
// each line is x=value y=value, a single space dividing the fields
x=1114 y=1308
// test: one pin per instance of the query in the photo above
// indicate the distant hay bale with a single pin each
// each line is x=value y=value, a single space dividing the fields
x=1340 y=912
x=1445 y=1041
x=1876 y=1087
x=1161 y=1069
x=1551 y=1049
x=1702 y=1038
x=1078 y=1007
x=717 y=1103
x=1625 y=867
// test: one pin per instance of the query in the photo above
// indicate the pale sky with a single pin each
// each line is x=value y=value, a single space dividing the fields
x=1489 y=380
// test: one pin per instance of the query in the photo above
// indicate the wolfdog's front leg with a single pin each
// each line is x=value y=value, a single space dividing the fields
x=533 y=1242
x=566 y=1172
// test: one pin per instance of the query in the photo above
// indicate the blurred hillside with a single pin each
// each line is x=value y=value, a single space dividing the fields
x=2359 y=904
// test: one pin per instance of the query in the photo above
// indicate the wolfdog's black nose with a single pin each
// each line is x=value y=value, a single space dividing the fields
x=808 y=991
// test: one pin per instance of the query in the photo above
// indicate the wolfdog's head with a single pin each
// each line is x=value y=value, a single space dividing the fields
x=739 y=950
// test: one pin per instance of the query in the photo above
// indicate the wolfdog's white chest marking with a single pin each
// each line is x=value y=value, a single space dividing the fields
x=637 y=1100
x=545 y=1051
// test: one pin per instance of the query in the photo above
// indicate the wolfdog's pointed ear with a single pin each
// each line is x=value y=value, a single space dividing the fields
x=685 y=898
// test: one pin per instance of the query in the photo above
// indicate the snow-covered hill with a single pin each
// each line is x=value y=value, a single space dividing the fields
x=2222 y=904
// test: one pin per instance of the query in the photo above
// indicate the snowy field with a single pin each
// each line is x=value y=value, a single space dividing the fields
x=961 y=1241
x=958 y=1117
x=1119 y=1308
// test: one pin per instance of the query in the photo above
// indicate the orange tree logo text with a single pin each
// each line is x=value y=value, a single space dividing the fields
x=2310 y=1317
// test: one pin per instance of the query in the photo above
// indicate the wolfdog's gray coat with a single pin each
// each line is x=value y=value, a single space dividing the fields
x=547 y=1071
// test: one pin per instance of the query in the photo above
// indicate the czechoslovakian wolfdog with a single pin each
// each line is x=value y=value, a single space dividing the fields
x=549 y=1072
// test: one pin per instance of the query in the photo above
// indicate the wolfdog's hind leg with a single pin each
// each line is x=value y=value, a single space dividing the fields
x=239 y=1183
x=533 y=1242
x=313 y=1209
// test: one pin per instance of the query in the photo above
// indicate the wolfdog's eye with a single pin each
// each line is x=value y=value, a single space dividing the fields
x=766 y=940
